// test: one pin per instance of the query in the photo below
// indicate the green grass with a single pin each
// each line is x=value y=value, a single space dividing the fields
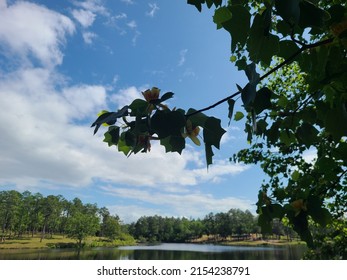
x=34 y=242
x=58 y=241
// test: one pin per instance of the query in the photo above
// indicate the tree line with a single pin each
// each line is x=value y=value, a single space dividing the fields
x=233 y=224
x=29 y=214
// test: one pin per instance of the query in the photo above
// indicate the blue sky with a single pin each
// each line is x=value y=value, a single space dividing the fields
x=63 y=61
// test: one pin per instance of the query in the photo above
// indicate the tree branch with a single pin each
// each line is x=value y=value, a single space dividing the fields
x=303 y=48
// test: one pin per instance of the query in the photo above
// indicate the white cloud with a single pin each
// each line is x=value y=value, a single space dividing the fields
x=121 y=16
x=84 y=17
x=94 y=6
x=182 y=59
x=42 y=38
x=153 y=9
x=126 y=96
x=129 y=2
x=3 y=4
x=88 y=37
x=193 y=203
x=132 y=24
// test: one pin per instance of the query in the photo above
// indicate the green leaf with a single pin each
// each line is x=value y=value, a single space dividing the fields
x=295 y=175
x=209 y=154
x=198 y=119
x=312 y=16
x=273 y=211
x=307 y=134
x=287 y=48
x=209 y=3
x=196 y=3
x=130 y=138
x=248 y=94
x=265 y=224
x=221 y=15
x=238 y=26
x=231 y=103
x=300 y=225
x=262 y=100
x=249 y=91
x=122 y=146
x=168 y=123
x=213 y=132
x=319 y=214
x=173 y=144
x=241 y=64
x=166 y=96
x=287 y=137
x=336 y=122
x=289 y=10
x=110 y=118
x=238 y=116
x=251 y=73
x=139 y=107
x=112 y=135
x=261 y=47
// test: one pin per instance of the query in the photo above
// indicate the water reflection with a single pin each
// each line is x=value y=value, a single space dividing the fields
x=161 y=252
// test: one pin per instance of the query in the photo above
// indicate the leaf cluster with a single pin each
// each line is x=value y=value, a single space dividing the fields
x=149 y=119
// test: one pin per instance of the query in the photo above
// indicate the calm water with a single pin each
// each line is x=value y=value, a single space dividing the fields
x=163 y=251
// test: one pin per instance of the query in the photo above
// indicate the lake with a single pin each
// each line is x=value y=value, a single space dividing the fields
x=164 y=251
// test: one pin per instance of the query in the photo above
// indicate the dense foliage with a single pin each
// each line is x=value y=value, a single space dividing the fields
x=294 y=55
x=28 y=214
x=235 y=222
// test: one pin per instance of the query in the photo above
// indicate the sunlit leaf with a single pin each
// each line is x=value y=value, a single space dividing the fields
x=110 y=118
x=238 y=116
x=238 y=25
x=112 y=135
x=221 y=15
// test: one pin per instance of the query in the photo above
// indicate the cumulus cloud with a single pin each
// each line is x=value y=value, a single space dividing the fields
x=94 y=6
x=42 y=38
x=84 y=17
x=126 y=95
x=195 y=203
x=88 y=37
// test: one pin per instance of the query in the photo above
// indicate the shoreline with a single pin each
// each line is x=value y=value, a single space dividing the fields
x=59 y=242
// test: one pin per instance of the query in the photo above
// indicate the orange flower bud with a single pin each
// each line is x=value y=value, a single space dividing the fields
x=151 y=94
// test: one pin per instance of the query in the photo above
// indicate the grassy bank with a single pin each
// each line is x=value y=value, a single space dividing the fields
x=59 y=241
x=249 y=242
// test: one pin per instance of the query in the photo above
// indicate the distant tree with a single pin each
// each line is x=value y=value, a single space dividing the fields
x=112 y=227
x=83 y=221
x=9 y=208
x=51 y=208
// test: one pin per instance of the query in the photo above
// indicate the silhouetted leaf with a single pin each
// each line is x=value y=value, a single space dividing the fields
x=213 y=132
